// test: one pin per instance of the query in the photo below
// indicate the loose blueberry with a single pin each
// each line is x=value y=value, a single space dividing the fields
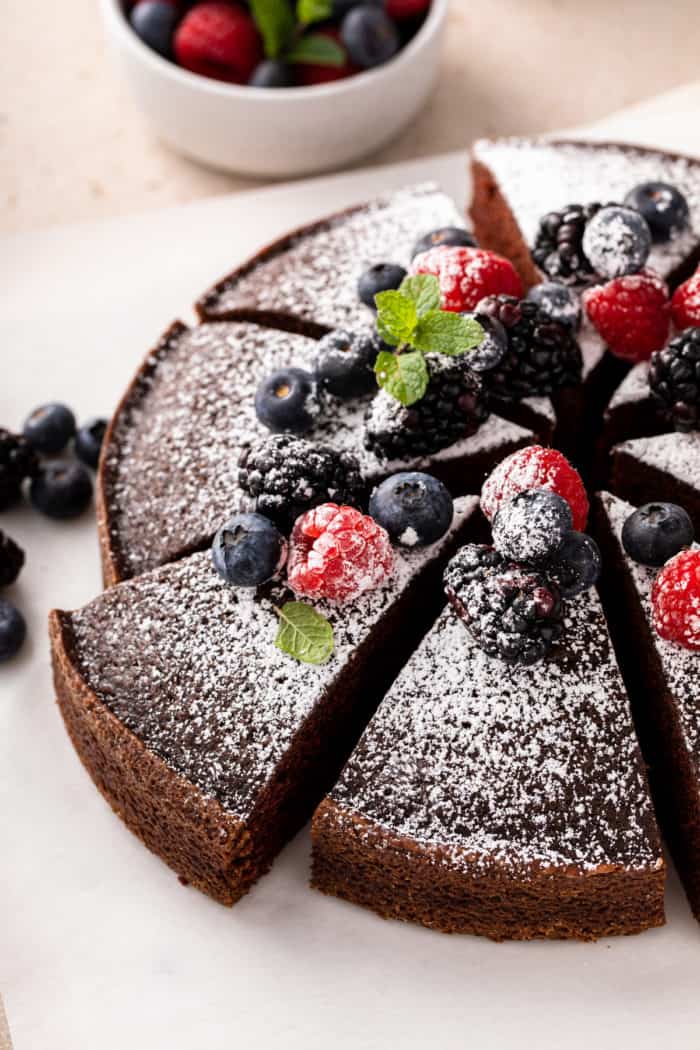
x=577 y=565
x=271 y=73
x=663 y=206
x=61 y=489
x=559 y=302
x=532 y=526
x=384 y=277
x=454 y=236
x=248 y=550
x=154 y=22
x=344 y=363
x=49 y=428
x=88 y=441
x=13 y=630
x=616 y=241
x=415 y=509
x=656 y=532
x=287 y=401
x=369 y=35
x=492 y=348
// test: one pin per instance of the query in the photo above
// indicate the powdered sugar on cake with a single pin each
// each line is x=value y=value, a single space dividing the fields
x=675 y=454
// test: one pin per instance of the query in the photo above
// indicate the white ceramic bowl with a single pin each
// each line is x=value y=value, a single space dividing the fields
x=281 y=131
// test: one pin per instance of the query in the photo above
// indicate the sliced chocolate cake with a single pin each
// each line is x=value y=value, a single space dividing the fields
x=632 y=412
x=663 y=467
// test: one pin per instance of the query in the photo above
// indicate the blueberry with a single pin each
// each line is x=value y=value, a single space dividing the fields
x=271 y=73
x=415 y=509
x=61 y=489
x=616 y=241
x=88 y=441
x=454 y=236
x=344 y=363
x=154 y=22
x=493 y=347
x=384 y=277
x=577 y=564
x=655 y=532
x=369 y=35
x=49 y=428
x=532 y=526
x=559 y=302
x=248 y=550
x=13 y=630
x=287 y=401
x=663 y=206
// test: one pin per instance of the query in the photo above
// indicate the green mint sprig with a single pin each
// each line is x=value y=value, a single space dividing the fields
x=411 y=320
x=304 y=633
x=283 y=30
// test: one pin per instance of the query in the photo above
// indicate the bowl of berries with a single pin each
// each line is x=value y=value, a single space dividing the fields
x=277 y=87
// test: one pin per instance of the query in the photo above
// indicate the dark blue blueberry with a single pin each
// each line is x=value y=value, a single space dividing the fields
x=559 y=302
x=492 y=348
x=663 y=206
x=248 y=550
x=532 y=526
x=13 y=630
x=49 y=428
x=88 y=441
x=271 y=73
x=655 y=532
x=61 y=489
x=287 y=402
x=454 y=236
x=616 y=241
x=154 y=22
x=384 y=277
x=344 y=363
x=577 y=565
x=415 y=509
x=369 y=35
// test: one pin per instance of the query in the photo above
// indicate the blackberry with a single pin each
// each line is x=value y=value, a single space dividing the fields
x=674 y=380
x=543 y=354
x=11 y=560
x=18 y=461
x=287 y=476
x=473 y=562
x=453 y=407
x=558 y=249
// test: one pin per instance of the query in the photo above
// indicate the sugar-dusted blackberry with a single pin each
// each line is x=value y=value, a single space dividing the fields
x=453 y=407
x=11 y=560
x=543 y=354
x=286 y=476
x=558 y=249
x=472 y=562
x=18 y=461
x=674 y=379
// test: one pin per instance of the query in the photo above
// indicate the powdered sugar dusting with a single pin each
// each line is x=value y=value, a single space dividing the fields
x=633 y=388
x=675 y=454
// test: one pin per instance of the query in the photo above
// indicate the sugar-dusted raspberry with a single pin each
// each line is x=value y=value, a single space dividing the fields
x=468 y=275
x=632 y=314
x=535 y=467
x=337 y=553
x=685 y=304
x=218 y=39
x=675 y=600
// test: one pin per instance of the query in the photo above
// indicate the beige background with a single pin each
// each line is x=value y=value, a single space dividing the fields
x=73 y=147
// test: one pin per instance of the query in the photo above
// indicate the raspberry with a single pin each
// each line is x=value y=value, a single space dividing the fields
x=337 y=553
x=632 y=314
x=535 y=467
x=219 y=40
x=685 y=304
x=468 y=275
x=399 y=9
x=675 y=600
x=310 y=74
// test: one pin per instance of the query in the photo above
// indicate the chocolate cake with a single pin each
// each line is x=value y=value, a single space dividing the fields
x=212 y=744
x=663 y=467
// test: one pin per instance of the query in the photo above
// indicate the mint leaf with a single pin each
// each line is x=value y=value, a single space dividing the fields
x=424 y=290
x=403 y=376
x=396 y=317
x=446 y=333
x=309 y=11
x=304 y=634
x=275 y=20
x=317 y=49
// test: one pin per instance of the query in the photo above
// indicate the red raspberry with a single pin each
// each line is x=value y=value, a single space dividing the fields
x=675 y=600
x=310 y=74
x=685 y=304
x=632 y=314
x=535 y=467
x=468 y=275
x=219 y=40
x=337 y=553
x=399 y=9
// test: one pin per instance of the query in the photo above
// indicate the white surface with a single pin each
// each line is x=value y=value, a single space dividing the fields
x=100 y=946
x=288 y=131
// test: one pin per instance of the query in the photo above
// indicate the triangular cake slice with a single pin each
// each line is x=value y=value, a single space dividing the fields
x=663 y=467
x=212 y=744
x=664 y=683
x=169 y=468
x=505 y=801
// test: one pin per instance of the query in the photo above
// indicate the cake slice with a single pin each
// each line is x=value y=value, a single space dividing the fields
x=662 y=467
x=501 y=800
x=208 y=741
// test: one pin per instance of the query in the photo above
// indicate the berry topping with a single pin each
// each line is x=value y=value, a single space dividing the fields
x=344 y=364
x=655 y=532
x=11 y=560
x=558 y=249
x=248 y=550
x=310 y=73
x=685 y=304
x=535 y=467
x=272 y=73
x=675 y=600
x=632 y=314
x=369 y=35
x=18 y=461
x=453 y=236
x=468 y=275
x=88 y=441
x=577 y=565
x=61 y=489
x=49 y=428
x=154 y=22
x=337 y=553
x=532 y=526
x=493 y=346
x=287 y=475
x=287 y=401
x=399 y=9
x=674 y=379
x=13 y=630
x=560 y=303
x=664 y=208
x=382 y=277
x=415 y=509
x=617 y=241
x=218 y=39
